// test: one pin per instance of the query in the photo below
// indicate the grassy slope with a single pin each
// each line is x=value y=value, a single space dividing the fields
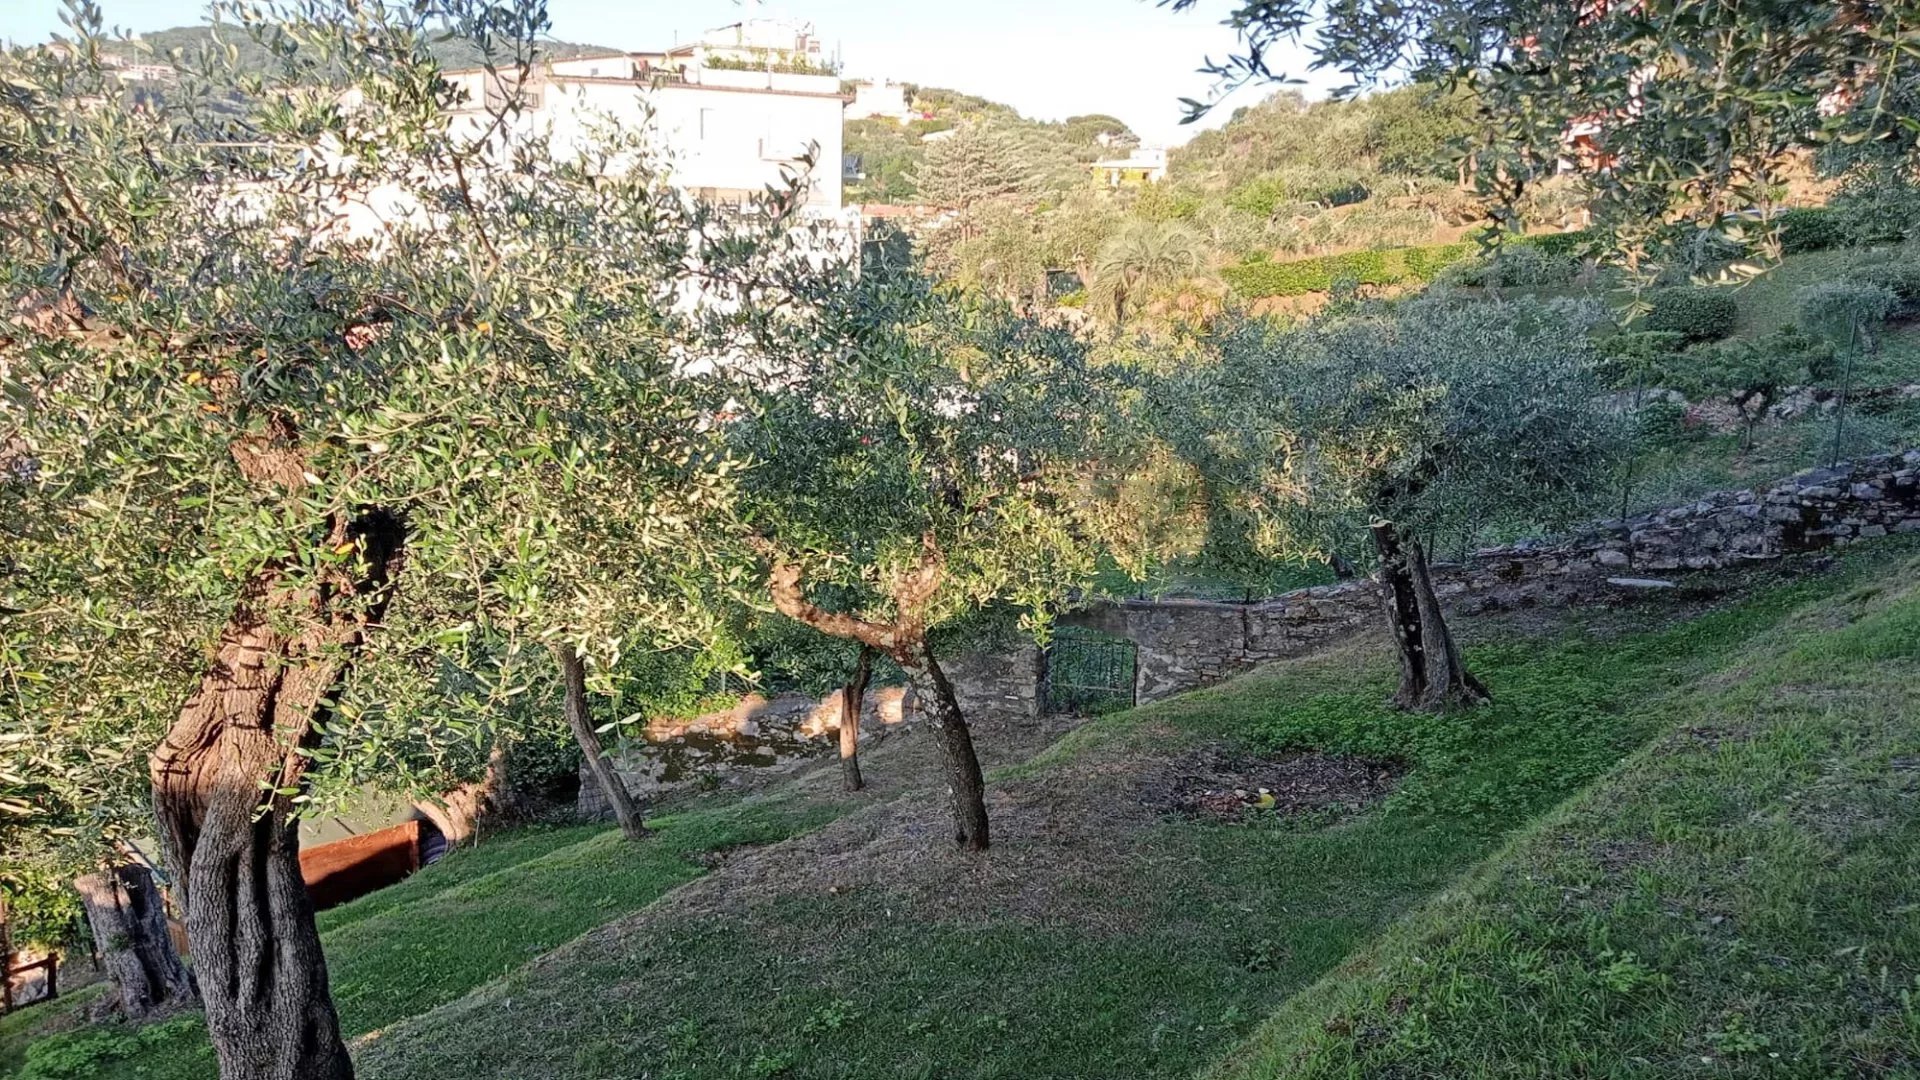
x=470 y=918
x=1743 y=898
x=1150 y=966
x=24 y=1026
x=1180 y=935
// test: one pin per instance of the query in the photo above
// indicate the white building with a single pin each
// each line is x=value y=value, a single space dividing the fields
x=1146 y=165
x=731 y=114
x=884 y=99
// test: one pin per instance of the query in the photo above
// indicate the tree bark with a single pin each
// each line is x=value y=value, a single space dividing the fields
x=1432 y=674
x=224 y=779
x=6 y=956
x=129 y=923
x=1448 y=682
x=458 y=813
x=905 y=641
x=574 y=670
x=966 y=787
x=852 y=703
x=1402 y=610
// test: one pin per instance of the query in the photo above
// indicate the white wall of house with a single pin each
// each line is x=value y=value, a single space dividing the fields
x=722 y=133
x=885 y=99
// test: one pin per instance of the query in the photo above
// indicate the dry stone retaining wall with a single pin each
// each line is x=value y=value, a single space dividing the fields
x=1185 y=644
x=760 y=736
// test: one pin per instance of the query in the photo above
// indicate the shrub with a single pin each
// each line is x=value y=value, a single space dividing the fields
x=1740 y=369
x=1526 y=265
x=1837 y=310
x=1728 y=369
x=1256 y=279
x=1695 y=314
x=1812 y=229
x=1259 y=197
x=1901 y=278
x=1666 y=425
x=1559 y=245
x=1887 y=211
x=1638 y=358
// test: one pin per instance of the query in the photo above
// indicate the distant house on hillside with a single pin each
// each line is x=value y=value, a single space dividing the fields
x=1146 y=165
x=882 y=99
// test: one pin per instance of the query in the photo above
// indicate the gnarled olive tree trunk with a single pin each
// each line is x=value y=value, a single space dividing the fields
x=223 y=784
x=128 y=918
x=457 y=813
x=966 y=788
x=905 y=641
x=1432 y=675
x=852 y=702
x=574 y=673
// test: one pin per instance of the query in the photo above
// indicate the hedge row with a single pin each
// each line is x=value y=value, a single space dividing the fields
x=1301 y=276
x=1806 y=229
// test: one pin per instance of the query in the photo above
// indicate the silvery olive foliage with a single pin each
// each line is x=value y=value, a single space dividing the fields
x=891 y=419
x=253 y=303
x=1443 y=417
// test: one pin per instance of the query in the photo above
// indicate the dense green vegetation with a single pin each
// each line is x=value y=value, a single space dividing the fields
x=1284 y=179
x=1258 y=277
x=1050 y=155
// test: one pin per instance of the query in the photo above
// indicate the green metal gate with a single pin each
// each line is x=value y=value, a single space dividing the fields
x=1089 y=672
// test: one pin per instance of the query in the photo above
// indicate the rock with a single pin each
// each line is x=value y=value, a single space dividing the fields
x=1639 y=583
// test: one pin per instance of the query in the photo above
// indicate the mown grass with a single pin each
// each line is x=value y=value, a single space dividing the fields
x=459 y=866
x=36 y=1022
x=458 y=924
x=1741 y=899
x=1152 y=967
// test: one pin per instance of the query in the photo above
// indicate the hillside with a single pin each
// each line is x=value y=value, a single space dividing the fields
x=1730 y=883
x=1741 y=898
x=892 y=154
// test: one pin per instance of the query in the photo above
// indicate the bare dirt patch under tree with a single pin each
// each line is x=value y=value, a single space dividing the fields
x=1214 y=783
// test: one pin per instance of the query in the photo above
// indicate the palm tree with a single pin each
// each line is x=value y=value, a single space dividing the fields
x=1145 y=256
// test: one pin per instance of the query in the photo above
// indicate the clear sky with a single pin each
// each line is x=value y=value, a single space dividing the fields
x=1047 y=58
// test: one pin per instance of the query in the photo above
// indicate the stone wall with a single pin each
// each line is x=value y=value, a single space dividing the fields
x=997 y=687
x=1185 y=644
x=761 y=736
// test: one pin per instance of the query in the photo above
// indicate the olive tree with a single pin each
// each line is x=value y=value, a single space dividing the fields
x=916 y=457
x=1396 y=424
x=1698 y=108
x=295 y=374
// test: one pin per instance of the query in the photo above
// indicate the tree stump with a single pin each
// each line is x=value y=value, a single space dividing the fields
x=129 y=923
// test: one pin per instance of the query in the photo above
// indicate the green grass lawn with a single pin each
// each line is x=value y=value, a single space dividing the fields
x=36 y=1022
x=469 y=918
x=1153 y=960
x=1741 y=888
x=1742 y=899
